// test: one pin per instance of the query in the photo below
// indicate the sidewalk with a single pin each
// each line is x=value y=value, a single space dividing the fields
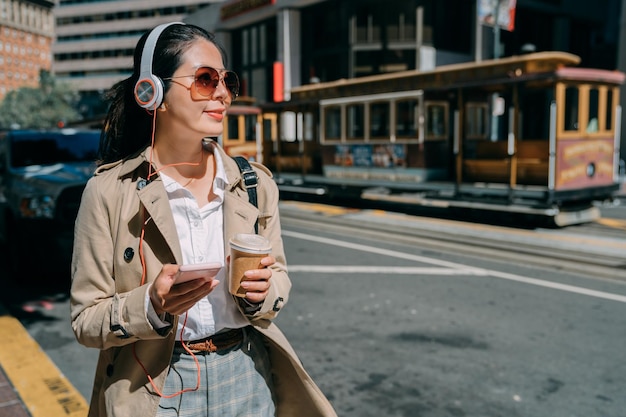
x=11 y=404
x=30 y=383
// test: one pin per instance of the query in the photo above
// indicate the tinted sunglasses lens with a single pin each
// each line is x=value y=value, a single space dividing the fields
x=232 y=83
x=206 y=81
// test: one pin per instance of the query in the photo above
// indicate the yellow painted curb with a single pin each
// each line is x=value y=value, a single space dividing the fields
x=43 y=388
x=325 y=209
x=613 y=223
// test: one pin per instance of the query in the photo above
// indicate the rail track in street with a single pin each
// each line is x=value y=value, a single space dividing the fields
x=594 y=249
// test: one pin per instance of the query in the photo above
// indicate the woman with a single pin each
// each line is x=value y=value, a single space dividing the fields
x=165 y=195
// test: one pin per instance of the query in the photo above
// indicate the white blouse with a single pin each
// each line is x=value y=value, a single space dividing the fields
x=201 y=232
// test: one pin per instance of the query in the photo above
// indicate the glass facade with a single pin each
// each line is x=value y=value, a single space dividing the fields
x=372 y=37
x=255 y=57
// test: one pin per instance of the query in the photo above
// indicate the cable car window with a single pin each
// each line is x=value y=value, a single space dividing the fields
x=476 y=120
x=332 y=123
x=534 y=113
x=379 y=120
x=309 y=126
x=250 y=121
x=355 y=121
x=269 y=128
x=610 y=107
x=407 y=118
x=288 y=126
x=233 y=128
x=571 y=109
x=436 y=120
x=594 y=101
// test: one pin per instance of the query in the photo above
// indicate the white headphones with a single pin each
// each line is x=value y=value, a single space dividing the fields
x=149 y=87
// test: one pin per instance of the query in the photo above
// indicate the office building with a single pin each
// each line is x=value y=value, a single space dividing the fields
x=26 y=34
x=332 y=39
x=95 y=41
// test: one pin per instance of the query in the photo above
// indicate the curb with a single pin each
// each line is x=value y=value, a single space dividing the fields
x=39 y=388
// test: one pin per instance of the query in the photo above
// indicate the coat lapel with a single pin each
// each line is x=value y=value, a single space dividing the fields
x=154 y=199
x=239 y=215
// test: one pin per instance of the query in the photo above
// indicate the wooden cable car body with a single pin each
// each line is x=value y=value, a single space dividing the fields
x=531 y=134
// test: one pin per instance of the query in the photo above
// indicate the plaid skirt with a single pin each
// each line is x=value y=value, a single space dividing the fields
x=233 y=383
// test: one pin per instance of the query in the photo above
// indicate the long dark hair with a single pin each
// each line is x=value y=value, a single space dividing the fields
x=128 y=127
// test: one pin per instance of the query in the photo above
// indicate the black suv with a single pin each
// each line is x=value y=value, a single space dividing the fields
x=42 y=177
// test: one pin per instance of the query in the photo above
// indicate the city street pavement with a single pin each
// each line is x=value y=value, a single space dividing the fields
x=32 y=386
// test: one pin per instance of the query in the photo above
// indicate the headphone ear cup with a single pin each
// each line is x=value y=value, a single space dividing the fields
x=149 y=88
x=149 y=92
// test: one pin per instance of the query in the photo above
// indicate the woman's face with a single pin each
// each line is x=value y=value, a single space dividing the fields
x=185 y=113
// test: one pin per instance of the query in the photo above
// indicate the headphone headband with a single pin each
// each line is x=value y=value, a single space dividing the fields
x=149 y=88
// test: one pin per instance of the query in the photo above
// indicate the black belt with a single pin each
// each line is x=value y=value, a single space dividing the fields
x=219 y=341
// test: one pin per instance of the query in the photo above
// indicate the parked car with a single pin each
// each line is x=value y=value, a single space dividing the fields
x=42 y=177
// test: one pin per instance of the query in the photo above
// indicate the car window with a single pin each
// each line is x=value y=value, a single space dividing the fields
x=46 y=148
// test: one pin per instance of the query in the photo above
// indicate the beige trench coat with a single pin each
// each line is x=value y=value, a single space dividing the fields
x=108 y=309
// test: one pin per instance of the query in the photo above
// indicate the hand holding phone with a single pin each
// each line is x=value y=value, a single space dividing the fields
x=206 y=271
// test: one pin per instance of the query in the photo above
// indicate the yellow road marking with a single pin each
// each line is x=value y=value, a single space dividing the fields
x=614 y=223
x=327 y=210
x=43 y=388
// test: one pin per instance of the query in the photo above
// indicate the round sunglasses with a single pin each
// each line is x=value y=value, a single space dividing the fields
x=206 y=80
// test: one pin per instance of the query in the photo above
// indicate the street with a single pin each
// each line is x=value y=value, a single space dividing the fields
x=389 y=329
x=450 y=178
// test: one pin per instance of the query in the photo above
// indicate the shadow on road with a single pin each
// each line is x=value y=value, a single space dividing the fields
x=494 y=218
x=29 y=295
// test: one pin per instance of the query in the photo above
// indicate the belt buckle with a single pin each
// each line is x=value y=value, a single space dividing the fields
x=205 y=346
x=210 y=346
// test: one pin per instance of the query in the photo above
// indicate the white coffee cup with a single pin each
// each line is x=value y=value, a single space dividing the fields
x=246 y=252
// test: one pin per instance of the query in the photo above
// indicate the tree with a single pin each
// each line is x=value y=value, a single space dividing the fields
x=40 y=107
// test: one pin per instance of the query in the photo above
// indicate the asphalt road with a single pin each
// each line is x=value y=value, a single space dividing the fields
x=391 y=329
x=408 y=331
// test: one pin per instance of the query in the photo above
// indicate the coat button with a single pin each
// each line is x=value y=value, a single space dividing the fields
x=278 y=303
x=110 y=370
x=128 y=254
x=141 y=184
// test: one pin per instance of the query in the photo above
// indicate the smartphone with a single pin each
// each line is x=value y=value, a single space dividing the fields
x=207 y=271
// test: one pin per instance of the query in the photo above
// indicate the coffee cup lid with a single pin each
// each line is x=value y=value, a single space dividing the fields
x=251 y=243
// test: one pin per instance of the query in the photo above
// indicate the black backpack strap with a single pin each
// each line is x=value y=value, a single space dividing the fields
x=250 y=181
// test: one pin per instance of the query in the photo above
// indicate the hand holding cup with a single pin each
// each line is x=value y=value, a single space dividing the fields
x=246 y=254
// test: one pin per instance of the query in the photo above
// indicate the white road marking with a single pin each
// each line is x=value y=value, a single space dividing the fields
x=451 y=268
x=397 y=270
x=379 y=251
